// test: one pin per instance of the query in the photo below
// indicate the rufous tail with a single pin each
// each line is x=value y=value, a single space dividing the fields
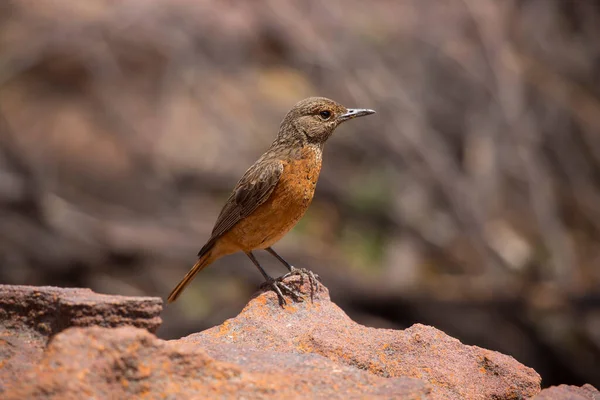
x=202 y=263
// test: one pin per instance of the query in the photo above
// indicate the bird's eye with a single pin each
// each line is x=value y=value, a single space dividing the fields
x=325 y=114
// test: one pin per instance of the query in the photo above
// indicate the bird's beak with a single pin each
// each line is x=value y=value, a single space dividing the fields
x=355 y=112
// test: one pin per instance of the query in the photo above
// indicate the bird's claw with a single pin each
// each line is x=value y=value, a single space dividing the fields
x=313 y=278
x=277 y=285
x=301 y=271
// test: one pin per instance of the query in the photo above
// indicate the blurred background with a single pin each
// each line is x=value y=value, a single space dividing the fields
x=470 y=201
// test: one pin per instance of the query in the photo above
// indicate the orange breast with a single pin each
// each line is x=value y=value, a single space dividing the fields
x=284 y=208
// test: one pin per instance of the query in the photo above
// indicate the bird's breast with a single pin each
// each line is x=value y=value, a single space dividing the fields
x=299 y=178
x=285 y=206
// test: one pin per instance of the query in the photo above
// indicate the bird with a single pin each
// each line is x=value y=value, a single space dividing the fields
x=275 y=192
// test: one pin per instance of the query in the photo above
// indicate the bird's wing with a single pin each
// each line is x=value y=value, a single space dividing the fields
x=252 y=190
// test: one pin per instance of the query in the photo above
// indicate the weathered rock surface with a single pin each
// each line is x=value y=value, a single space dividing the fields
x=49 y=310
x=305 y=350
x=320 y=327
x=30 y=316
x=562 y=392
x=129 y=363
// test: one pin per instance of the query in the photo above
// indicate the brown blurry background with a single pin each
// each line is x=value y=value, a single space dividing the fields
x=470 y=201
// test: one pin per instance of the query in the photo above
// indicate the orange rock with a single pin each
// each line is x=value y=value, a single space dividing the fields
x=310 y=349
x=29 y=316
x=125 y=363
x=452 y=369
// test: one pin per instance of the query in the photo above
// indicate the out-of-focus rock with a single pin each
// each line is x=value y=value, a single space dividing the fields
x=562 y=392
x=49 y=310
x=29 y=316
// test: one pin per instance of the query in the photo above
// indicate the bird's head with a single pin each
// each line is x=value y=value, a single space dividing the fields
x=313 y=120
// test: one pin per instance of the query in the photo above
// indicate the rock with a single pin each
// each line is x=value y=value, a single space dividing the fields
x=304 y=350
x=320 y=327
x=127 y=363
x=585 y=392
x=29 y=316
x=49 y=310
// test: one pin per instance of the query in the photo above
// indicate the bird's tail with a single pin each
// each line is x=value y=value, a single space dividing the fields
x=202 y=263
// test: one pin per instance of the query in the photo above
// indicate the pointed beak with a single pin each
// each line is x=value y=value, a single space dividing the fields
x=355 y=112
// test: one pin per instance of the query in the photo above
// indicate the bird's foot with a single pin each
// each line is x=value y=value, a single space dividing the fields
x=277 y=285
x=313 y=278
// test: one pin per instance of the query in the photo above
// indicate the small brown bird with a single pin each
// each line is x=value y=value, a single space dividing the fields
x=276 y=191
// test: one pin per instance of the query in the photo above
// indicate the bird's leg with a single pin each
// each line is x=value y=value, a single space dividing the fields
x=281 y=260
x=312 y=277
x=276 y=284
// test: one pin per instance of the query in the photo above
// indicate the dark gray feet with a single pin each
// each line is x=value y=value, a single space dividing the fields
x=279 y=287
x=313 y=278
x=277 y=283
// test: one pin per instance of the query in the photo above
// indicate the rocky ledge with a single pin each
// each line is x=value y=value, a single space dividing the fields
x=72 y=343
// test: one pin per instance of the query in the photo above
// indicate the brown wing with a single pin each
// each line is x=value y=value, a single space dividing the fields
x=253 y=189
